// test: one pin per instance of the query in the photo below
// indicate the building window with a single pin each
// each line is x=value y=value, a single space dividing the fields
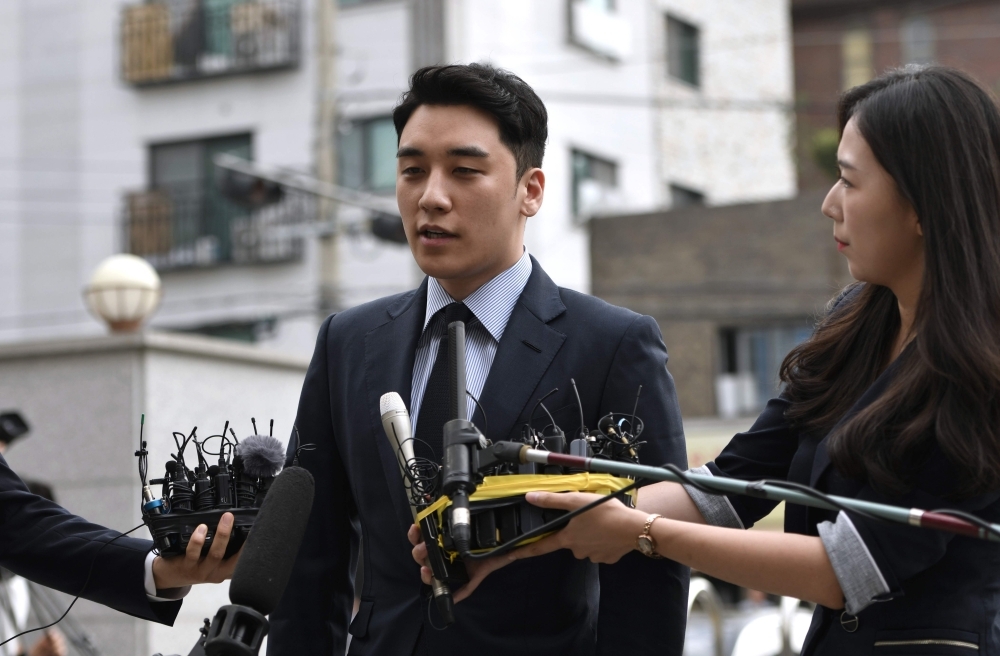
x=684 y=197
x=172 y=40
x=197 y=214
x=683 y=60
x=597 y=26
x=750 y=358
x=856 y=56
x=595 y=184
x=916 y=40
x=366 y=154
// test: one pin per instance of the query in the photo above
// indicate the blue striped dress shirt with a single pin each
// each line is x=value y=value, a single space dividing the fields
x=492 y=304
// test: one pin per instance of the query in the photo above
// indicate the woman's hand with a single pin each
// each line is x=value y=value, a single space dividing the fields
x=179 y=572
x=603 y=534
x=478 y=569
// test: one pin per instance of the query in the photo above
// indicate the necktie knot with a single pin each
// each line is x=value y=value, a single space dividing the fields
x=457 y=312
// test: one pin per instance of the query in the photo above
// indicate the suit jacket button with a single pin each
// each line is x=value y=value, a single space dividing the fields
x=848 y=622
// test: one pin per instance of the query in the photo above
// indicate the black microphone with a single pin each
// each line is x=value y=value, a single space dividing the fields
x=263 y=570
x=460 y=437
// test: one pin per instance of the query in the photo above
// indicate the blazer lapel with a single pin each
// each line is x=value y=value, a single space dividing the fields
x=821 y=460
x=390 y=350
x=525 y=352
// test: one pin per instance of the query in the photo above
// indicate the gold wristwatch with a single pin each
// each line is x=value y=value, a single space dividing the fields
x=645 y=543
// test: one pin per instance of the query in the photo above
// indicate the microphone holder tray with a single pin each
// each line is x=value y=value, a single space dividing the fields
x=172 y=531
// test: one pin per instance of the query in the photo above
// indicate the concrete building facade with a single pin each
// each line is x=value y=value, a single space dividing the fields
x=113 y=113
x=651 y=103
x=83 y=397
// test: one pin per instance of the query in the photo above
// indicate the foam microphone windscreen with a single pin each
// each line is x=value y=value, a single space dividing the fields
x=269 y=553
x=262 y=455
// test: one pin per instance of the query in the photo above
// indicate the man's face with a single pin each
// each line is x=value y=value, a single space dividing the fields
x=463 y=209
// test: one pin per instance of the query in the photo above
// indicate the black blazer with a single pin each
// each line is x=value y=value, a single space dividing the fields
x=942 y=587
x=45 y=543
x=549 y=605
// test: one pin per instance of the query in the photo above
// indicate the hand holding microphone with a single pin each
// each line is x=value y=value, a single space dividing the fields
x=263 y=571
x=192 y=568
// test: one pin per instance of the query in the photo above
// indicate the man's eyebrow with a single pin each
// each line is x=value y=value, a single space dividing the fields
x=409 y=151
x=468 y=151
x=844 y=164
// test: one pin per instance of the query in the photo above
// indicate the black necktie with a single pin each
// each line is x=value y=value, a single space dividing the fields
x=435 y=407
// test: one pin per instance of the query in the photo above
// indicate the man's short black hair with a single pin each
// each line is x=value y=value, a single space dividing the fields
x=519 y=112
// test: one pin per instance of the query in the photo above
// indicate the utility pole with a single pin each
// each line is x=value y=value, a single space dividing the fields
x=326 y=162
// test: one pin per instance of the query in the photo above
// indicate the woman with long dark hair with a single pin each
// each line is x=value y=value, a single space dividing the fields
x=894 y=399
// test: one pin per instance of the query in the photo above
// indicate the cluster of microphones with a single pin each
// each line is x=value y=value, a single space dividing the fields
x=234 y=478
x=245 y=478
x=466 y=529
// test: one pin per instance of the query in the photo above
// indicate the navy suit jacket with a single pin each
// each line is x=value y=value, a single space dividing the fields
x=549 y=605
x=45 y=543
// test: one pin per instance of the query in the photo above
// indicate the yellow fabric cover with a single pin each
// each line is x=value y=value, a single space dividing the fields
x=514 y=485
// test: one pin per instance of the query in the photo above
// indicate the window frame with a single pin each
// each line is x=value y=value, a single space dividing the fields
x=672 y=51
x=365 y=123
x=576 y=178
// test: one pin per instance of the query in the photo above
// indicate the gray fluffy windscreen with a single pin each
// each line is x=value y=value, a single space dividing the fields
x=262 y=455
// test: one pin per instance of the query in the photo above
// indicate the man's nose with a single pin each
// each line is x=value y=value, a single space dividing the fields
x=435 y=197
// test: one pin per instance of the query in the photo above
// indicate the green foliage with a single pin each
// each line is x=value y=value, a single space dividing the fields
x=824 y=151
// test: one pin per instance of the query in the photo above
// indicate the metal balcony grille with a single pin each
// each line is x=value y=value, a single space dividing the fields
x=182 y=226
x=175 y=40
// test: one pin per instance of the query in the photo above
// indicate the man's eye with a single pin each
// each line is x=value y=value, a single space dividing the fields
x=465 y=170
x=410 y=170
x=844 y=181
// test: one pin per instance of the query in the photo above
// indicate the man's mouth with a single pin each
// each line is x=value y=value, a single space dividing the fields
x=435 y=233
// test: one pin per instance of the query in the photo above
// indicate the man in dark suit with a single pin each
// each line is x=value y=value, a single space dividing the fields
x=471 y=140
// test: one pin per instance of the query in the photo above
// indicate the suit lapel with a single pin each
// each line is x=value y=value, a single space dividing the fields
x=525 y=352
x=389 y=354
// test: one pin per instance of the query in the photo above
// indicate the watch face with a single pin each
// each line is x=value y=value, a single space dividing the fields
x=645 y=545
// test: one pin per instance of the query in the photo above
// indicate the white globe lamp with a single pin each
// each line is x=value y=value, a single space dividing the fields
x=123 y=291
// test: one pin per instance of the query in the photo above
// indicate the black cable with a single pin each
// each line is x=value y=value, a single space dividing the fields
x=631 y=423
x=486 y=423
x=789 y=485
x=142 y=454
x=552 y=421
x=77 y=597
x=531 y=417
x=579 y=405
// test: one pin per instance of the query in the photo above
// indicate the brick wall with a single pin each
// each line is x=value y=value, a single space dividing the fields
x=697 y=270
x=967 y=36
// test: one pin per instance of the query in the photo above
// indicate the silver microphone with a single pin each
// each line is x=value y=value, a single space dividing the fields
x=396 y=422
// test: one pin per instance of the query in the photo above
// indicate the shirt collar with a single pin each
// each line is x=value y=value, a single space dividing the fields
x=492 y=303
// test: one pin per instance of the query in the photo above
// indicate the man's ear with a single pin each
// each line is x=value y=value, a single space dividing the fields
x=533 y=184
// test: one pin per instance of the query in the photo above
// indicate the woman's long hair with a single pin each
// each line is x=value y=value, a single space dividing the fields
x=937 y=133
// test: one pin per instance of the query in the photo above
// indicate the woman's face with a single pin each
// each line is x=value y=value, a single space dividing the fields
x=875 y=228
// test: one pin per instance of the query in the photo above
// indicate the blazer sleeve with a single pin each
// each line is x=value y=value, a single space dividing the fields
x=315 y=610
x=643 y=604
x=47 y=544
x=902 y=552
x=764 y=451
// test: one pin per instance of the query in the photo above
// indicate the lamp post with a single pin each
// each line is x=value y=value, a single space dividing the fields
x=123 y=291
